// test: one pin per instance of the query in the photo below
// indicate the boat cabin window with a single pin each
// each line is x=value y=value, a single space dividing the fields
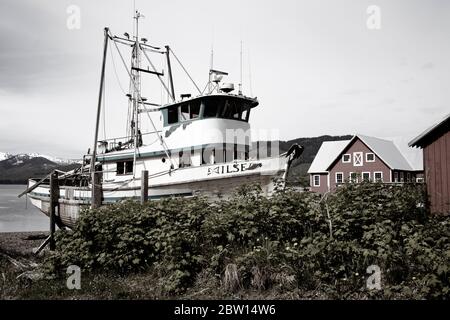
x=172 y=115
x=225 y=153
x=124 y=167
x=226 y=108
x=190 y=110
x=210 y=111
x=185 y=112
x=210 y=107
x=194 y=109
x=184 y=158
x=208 y=155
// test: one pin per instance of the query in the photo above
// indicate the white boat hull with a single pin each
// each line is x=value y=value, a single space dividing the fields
x=213 y=181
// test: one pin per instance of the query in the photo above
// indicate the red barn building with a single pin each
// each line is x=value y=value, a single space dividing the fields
x=435 y=143
x=360 y=158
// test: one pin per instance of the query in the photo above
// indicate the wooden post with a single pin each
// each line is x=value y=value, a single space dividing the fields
x=99 y=107
x=97 y=194
x=54 y=196
x=144 y=186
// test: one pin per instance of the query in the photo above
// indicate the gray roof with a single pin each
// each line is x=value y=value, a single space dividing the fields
x=386 y=150
x=328 y=152
x=419 y=140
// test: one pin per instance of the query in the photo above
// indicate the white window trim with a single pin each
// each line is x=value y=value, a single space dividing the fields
x=314 y=180
x=362 y=175
x=362 y=159
x=349 y=158
x=373 y=157
x=335 y=177
x=374 y=176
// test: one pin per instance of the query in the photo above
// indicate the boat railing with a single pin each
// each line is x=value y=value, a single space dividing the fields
x=120 y=143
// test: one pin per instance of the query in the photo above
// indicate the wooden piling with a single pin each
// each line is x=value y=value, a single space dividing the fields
x=144 y=186
x=54 y=203
x=97 y=194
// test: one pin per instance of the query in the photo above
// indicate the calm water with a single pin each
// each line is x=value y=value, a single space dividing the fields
x=16 y=215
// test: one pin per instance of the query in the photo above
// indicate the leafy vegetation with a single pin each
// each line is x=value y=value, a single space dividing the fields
x=290 y=242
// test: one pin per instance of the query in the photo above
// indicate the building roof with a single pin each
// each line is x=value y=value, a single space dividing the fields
x=328 y=152
x=386 y=150
x=426 y=137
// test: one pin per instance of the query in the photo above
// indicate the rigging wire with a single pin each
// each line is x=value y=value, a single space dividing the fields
x=185 y=70
x=154 y=69
x=250 y=74
x=115 y=72
x=163 y=144
x=104 y=109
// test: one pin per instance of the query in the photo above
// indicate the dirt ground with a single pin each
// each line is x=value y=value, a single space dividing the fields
x=18 y=244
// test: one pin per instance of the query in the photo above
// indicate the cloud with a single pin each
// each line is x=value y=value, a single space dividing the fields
x=353 y=92
x=407 y=80
x=428 y=65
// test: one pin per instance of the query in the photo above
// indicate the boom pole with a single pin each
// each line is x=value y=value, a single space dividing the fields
x=169 y=71
x=100 y=95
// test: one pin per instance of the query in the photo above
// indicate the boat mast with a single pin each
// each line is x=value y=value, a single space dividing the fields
x=240 y=71
x=136 y=92
x=99 y=106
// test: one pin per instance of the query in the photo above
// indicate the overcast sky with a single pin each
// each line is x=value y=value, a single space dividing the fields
x=316 y=67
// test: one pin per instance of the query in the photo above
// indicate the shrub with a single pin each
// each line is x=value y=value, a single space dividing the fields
x=290 y=240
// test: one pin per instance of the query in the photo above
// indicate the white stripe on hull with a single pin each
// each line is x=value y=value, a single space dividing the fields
x=72 y=199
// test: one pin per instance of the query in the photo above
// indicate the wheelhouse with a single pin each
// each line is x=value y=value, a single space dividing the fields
x=225 y=106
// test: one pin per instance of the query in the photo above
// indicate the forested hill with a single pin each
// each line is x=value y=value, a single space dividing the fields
x=16 y=169
x=311 y=146
x=19 y=168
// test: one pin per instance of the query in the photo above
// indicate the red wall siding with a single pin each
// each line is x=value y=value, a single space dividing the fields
x=346 y=168
x=437 y=173
x=323 y=183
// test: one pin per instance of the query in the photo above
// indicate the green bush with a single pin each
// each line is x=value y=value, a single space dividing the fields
x=289 y=241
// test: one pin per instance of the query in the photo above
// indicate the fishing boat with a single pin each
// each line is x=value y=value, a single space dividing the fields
x=202 y=145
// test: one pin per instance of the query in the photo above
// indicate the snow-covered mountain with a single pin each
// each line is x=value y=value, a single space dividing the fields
x=19 y=168
x=25 y=156
x=51 y=158
x=4 y=156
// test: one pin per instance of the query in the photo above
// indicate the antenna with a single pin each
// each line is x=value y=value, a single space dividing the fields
x=240 y=72
x=250 y=74
x=211 y=64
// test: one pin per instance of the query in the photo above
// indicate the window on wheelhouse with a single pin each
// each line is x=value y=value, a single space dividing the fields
x=231 y=108
x=194 y=109
x=190 y=110
x=184 y=109
x=172 y=115
x=124 y=167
